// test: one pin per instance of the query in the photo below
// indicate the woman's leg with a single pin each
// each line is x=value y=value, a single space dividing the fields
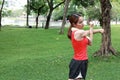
x=84 y=69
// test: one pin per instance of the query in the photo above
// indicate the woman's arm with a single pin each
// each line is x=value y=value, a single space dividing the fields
x=98 y=31
x=87 y=32
x=81 y=33
x=91 y=34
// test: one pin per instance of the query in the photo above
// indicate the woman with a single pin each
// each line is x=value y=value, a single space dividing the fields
x=80 y=40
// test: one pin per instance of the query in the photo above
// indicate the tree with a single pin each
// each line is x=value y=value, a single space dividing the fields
x=64 y=16
x=106 y=47
x=52 y=5
x=58 y=13
x=6 y=12
x=83 y=3
x=38 y=6
x=93 y=13
x=1 y=13
x=77 y=4
x=28 y=12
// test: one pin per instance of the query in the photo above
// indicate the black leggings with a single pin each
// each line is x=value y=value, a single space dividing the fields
x=77 y=66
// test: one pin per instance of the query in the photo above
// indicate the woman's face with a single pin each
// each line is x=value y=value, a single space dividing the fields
x=80 y=24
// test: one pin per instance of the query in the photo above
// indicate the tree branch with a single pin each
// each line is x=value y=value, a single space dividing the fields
x=31 y=7
x=59 y=4
x=49 y=3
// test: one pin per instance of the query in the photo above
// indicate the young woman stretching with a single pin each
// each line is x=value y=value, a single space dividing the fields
x=80 y=40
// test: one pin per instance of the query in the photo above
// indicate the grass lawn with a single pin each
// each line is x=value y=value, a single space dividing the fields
x=38 y=54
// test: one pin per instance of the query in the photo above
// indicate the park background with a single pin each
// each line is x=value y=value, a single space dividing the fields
x=40 y=54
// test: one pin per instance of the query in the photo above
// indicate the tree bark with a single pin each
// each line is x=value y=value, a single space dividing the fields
x=1 y=14
x=116 y=20
x=0 y=19
x=48 y=19
x=28 y=11
x=52 y=7
x=64 y=16
x=106 y=47
x=37 y=21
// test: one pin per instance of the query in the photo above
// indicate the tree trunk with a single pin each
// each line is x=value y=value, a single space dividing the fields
x=64 y=16
x=116 y=20
x=48 y=19
x=37 y=21
x=1 y=14
x=52 y=7
x=0 y=19
x=39 y=10
x=28 y=11
x=106 y=47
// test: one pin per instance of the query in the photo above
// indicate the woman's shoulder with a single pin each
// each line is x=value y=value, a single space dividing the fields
x=77 y=30
x=78 y=33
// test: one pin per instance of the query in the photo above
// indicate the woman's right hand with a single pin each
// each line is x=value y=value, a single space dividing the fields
x=101 y=30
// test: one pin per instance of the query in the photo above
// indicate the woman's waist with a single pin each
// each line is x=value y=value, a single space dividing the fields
x=80 y=56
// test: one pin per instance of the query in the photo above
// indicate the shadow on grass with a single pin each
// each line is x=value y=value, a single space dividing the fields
x=111 y=58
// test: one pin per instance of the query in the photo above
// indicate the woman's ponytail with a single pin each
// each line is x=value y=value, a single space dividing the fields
x=69 y=32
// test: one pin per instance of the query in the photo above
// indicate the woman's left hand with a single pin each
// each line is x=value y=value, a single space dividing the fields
x=91 y=24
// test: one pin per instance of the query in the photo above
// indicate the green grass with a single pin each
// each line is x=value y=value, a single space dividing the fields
x=38 y=54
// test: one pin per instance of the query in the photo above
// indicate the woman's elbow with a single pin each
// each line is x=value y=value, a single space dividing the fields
x=90 y=43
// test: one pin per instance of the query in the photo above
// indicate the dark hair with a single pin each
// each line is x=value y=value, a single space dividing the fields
x=73 y=19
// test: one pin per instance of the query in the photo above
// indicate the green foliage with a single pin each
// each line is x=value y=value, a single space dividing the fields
x=115 y=10
x=93 y=12
x=6 y=12
x=75 y=6
x=36 y=4
x=84 y=3
x=75 y=9
x=0 y=2
x=58 y=14
x=115 y=1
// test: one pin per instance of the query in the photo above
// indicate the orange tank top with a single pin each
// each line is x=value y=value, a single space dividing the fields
x=80 y=48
